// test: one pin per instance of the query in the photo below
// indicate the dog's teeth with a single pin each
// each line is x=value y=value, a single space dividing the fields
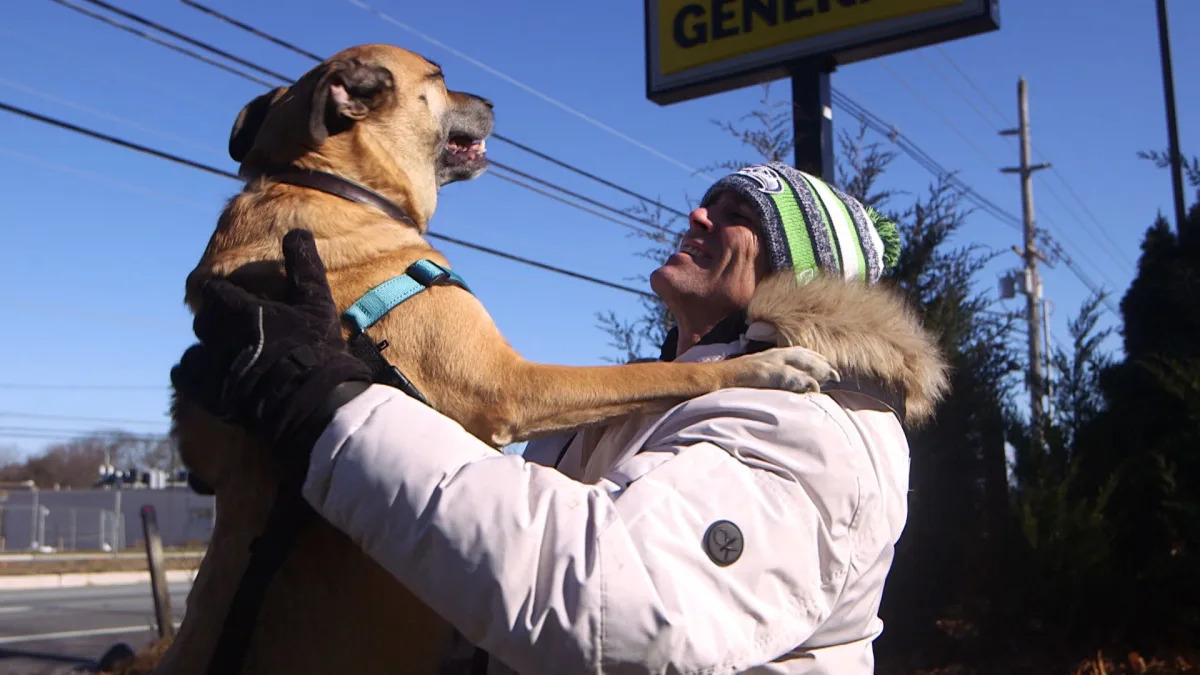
x=483 y=145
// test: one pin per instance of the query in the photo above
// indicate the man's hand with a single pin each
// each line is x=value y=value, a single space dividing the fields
x=279 y=369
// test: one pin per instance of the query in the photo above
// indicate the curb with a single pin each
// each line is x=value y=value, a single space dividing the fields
x=29 y=582
x=63 y=557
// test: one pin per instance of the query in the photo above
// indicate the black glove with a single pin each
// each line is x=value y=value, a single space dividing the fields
x=278 y=369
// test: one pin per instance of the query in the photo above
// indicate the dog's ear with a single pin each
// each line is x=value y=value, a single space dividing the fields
x=348 y=91
x=249 y=121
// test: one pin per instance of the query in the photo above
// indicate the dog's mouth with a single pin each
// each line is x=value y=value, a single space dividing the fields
x=464 y=152
x=462 y=148
x=463 y=157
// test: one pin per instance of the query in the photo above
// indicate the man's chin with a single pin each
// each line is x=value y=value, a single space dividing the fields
x=660 y=281
x=669 y=280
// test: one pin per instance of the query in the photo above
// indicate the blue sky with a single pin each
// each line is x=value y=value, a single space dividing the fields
x=95 y=240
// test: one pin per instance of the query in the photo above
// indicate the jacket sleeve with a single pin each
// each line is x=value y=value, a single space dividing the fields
x=550 y=575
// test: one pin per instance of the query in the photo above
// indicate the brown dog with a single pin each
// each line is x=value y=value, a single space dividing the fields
x=381 y=117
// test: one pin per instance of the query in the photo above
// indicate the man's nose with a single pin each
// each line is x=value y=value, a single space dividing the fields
x=698 y=219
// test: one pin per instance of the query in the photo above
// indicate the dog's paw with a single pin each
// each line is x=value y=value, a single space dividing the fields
x=791 y=368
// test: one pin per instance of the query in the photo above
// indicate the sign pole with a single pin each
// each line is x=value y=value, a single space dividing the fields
x=1176 y=159
x=158 y=575
x=812 y=118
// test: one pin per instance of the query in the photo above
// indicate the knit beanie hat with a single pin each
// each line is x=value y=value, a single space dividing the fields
x=811 y=226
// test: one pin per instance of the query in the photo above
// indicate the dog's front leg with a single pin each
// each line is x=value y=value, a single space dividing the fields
x=538 y=399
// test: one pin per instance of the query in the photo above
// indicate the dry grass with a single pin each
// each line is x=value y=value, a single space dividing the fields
x=1135 y=663
x=1128 y=663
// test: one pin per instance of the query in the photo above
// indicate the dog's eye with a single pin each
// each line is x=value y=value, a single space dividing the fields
x=422 y=97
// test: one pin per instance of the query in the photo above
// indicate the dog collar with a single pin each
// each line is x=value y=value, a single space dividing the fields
x=337 y=186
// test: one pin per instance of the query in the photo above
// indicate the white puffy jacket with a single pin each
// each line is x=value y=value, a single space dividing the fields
x=742 y=531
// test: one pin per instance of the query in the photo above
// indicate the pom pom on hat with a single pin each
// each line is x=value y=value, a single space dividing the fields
x=889 y=235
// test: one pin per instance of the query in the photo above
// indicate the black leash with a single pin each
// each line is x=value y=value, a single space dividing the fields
x=368 y=351
x=288 y=517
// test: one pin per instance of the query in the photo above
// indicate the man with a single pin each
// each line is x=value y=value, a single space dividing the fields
x=744 y=530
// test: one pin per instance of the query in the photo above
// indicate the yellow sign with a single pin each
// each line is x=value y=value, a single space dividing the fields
x=696 y=47
x=692 y=34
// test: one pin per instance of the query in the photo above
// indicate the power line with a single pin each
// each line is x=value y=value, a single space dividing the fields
x=75 y=418
x=598 y=179
x=180 y=36
x=159 y=41
x=1103 y=271
x=693 y=172
x=551 y=268
x=43 y=436
x=1116 y=249
x=987 y=99
x=51 y=432
x=1055 y=249
x=102 y=114
x=500 y=137
x=101 y=179
x=220 y=172
x=990 y=161
x=923 y=158
x=927 y=162
x=589 y=200
x=966 y=99
x=1114 y=253
x=551 y=195
x=282 y=79
x=1070 y=190
x=251 y=29
x=117 y=141
x=938 y=113
x=862 y=113
x=38 y=305
x=85 y=65
x=34 y=386
x=891 y=133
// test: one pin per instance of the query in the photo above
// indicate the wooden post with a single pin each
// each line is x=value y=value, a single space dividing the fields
x=158 y=574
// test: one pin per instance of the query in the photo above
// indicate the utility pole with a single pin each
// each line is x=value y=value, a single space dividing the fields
x=1176 y=164
x=1033 y=284
x=1048 y=359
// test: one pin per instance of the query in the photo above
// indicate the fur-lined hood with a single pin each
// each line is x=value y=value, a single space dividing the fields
x=865 y=331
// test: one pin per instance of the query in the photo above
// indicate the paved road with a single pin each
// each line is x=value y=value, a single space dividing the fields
x=45 y=630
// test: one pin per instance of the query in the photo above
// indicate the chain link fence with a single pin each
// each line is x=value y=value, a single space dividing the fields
x=100 y=520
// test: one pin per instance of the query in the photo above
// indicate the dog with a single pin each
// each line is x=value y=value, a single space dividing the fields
x=380 y=117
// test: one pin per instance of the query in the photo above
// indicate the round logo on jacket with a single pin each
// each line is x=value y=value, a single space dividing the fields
x=723 y=542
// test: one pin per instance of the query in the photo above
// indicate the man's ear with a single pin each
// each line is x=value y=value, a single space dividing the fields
x=348 y=91
x=249 y=121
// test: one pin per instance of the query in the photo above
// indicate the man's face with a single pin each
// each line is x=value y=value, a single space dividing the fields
x=719 y=264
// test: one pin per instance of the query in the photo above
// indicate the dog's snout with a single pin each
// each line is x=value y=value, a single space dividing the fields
x=466 y=99
x=475 y=98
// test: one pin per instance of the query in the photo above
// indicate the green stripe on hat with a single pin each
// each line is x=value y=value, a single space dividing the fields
x=824 y=247
x=795 y=230
x=830 y=235
x=847 y=245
